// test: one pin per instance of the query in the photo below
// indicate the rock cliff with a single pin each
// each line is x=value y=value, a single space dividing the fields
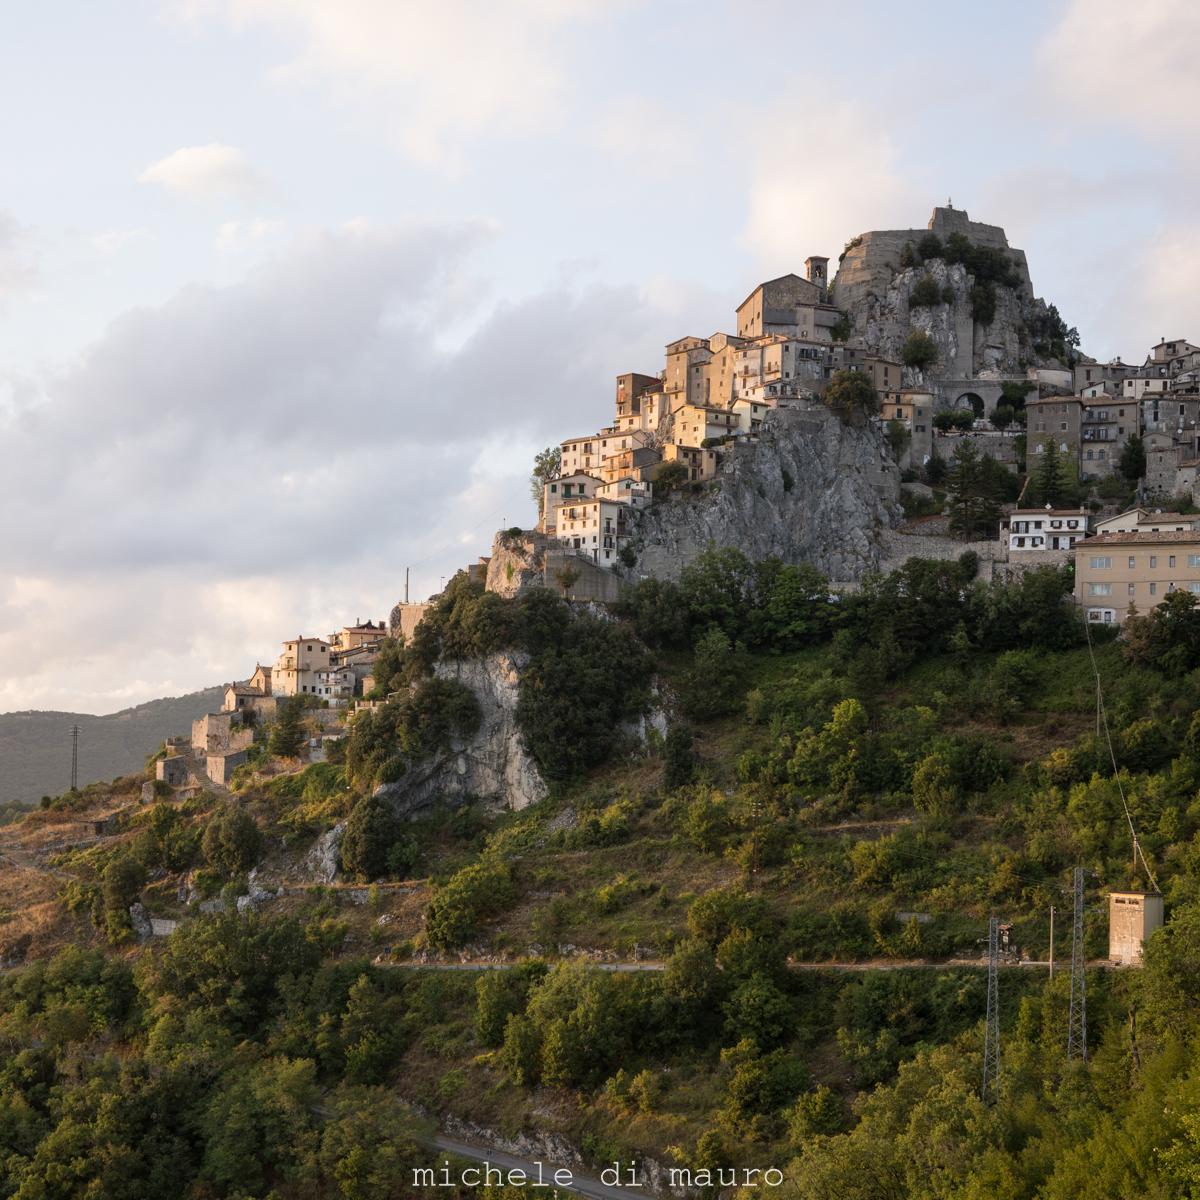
x=809 y=489
x=494 y=764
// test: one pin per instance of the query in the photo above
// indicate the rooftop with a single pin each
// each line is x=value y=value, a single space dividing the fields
x=1143 y=536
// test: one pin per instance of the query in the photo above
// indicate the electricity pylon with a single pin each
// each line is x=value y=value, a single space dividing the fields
x=991 y=1033
x=1077 y=1021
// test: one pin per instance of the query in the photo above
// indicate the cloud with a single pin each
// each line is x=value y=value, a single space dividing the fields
x=819 y=172
x=436 y=76
x=1132 y=64
x=203 y=172
x=110 y=242
x=241 y=462
x=18 y=272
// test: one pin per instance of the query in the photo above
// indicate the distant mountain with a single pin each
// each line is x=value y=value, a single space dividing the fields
x=35 y=747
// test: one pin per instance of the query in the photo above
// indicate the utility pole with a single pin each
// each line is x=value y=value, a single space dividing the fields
x=406 y=585
x=991 y=1033
x=1077 y=1020
x=74 y=758
x=1052 y=941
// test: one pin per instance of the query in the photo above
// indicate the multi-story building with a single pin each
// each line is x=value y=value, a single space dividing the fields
x=574 y=486
x=361 y=633
x=1115 y=572
x=295 y=671
x=1106 y=425
x=791 y=306
x=1147 y=520
x=1040 y=529
x=696 y=423
x=595 y=527
x=1056 y=419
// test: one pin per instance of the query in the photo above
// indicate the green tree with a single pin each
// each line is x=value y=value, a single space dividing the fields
x=974 y=510
x=546 y=465
x=389 y=668
x=1133 y=458
x=919 y=351
x=232 y=842
x=122 y=883
x=371 y=830
x=679 y=758
x=715 y=682
x=898 y=437
x=287 y=734
x=852 y=395
x=1049 y=476
x=926 y=293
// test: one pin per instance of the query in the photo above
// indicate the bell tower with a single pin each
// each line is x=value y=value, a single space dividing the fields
x=816 y=270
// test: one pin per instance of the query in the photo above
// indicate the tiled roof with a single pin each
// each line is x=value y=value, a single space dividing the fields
x=1142 y=535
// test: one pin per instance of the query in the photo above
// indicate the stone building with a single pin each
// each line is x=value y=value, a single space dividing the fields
x=295 y=670
x=1132 y=918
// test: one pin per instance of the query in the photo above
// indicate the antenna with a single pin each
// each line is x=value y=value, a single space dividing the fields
x=406 y=569
x=991 y=1033
x=1077 y=1021
x=75 y=757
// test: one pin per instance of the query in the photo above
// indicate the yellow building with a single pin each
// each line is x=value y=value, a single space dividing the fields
x=1117 y=571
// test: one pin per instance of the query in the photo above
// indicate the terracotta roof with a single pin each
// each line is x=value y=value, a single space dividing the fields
x=1141 y=535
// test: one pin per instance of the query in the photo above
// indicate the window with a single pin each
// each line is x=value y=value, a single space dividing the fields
x=1194 y=560
x=1132 y=561
x=1132 y=588
x=1099 y=589
x=1194 y=588
x=1153 y=560
x=1171 y=560
x=1100 y=563
x=1154 y=589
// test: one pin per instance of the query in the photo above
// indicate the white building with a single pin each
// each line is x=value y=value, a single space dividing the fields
x=1029 y=529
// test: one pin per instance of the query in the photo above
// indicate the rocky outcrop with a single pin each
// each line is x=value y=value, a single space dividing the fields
x=874 y=290
x=810 y=489
x=493 y=764
x=517 y=563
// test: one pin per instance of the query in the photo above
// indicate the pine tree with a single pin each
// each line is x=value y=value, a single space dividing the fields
x=1049 y=480
x=287 y=737
x=973 y=505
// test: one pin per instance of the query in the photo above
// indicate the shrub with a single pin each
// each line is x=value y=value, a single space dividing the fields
x=920 y=350
x=926 y=293
x=372 y=829
x=852 y=396
x=679 y=759
x=232 y=842
x=479 y=890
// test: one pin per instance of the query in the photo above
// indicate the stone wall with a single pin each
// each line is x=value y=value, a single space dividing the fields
x=405 y=618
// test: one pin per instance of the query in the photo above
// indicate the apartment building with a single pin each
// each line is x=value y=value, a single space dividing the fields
x=1030 y=529
x=1118 y=571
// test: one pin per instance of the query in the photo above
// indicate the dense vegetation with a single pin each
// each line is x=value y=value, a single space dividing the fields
x=862 y=776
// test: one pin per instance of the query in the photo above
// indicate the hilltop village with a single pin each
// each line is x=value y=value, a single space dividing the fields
x=1008 y=441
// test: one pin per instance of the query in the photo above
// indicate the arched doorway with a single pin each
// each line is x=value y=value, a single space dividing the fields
x=971 y=400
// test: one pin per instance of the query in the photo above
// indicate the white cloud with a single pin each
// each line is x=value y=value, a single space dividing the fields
x=17 y=269
x=242 y=462
x=200 y=172
x=1129 y=63
x=436 y=76
x=820 y=171
x=110 y=242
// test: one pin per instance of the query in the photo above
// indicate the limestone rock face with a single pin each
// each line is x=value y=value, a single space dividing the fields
x=516 y=564
x=492 y=765
x=874 y=291
x=811 y=489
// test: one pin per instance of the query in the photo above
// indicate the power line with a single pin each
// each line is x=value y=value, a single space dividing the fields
x=1102 y=721
x=1077 y=1019
x=991 y=1032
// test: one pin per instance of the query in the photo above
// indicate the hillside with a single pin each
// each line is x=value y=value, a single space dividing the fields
x=754 y=942
x=35 y=746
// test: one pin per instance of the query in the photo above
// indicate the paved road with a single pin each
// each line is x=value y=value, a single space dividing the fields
x=581 y=1185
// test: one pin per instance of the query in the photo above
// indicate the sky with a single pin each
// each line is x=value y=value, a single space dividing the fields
x=291 y=292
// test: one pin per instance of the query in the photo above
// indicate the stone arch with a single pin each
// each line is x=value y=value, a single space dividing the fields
x=971 y=400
